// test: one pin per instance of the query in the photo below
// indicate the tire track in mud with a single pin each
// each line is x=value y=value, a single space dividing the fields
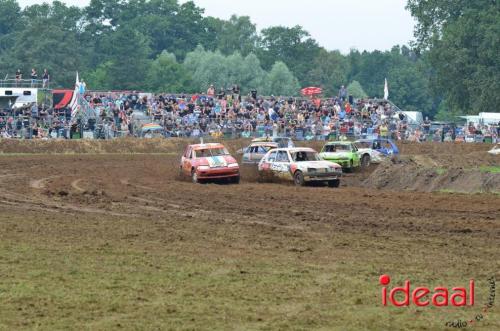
x=36 y=203
x=76 y=185
x=126 y=182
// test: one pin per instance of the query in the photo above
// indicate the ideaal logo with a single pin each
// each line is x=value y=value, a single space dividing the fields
x=440 y=296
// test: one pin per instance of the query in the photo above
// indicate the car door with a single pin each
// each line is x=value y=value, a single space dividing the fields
x=187 y=161
x=355 y=153
x=281 y=167
x=260 y=152
x=247 y=154
x=253 y=154
x=268 y=162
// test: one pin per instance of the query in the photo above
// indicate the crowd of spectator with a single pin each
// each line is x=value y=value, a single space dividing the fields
x=230 y=114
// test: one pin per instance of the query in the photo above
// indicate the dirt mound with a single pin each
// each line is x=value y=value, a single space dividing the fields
x=119 y=146
x=452 y=154
x=425 y=174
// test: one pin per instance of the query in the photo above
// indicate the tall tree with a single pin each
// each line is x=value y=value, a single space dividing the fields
x=167 y=75
x=462 y=40
x=128 y=61
x=330 y=70
x=356 y=90
x=47 y=38
x=281 y=81
x=10 y=13
x=293 y=46
x=238 y=34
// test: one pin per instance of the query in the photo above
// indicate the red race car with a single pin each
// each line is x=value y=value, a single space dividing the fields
x=203 y=162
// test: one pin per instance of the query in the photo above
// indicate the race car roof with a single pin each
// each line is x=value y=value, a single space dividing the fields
x=339 y=143
x=264 y=143
x=296 y=149
x=207 y=146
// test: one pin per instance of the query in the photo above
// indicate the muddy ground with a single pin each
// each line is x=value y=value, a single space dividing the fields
x=289 y=257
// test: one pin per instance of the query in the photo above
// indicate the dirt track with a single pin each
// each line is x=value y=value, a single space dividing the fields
x=137 y=199
x=147 y=186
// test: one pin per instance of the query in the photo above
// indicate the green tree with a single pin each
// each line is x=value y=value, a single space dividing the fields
x=356 y=90
x=330 y=71
x=293 y=46
x=409 y=88
x=461 y=38
x=208 y=67
x=127 y=52
x=10 y=13
x=281 y=81
x=372 y=69
x=238 y=34
x=43 y=45
x=167 y=75
x=98 y=79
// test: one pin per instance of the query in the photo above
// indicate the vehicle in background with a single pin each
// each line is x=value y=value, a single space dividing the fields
x=203 y=162
x=384 y=146
x=344 y=153
x=495 y=150
x=283 y=142
x=300 y=165
x=367 y=154
x=256 y=151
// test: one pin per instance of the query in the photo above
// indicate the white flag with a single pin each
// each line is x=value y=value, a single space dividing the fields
x=386 y=90
x=73 y=104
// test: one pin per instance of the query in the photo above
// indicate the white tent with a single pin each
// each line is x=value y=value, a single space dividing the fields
x=489 y=118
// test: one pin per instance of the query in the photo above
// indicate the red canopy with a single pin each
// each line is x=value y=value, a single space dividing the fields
x=309 y=91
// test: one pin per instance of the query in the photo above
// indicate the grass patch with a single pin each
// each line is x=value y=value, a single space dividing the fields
x=105 y=282
x=490 y=169
x=441 y=171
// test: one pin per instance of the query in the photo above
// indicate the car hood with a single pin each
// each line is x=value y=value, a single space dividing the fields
x=317 y=164
x=335 y=155
x=369 y=150
x=217 y=161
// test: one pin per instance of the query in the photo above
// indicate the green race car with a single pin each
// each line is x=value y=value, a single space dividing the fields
x=344 y=153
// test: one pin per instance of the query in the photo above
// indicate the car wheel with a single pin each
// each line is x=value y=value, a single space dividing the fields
x=365 y=161
x=236 y=180
x=334 y=183
x=298 y=178
x=194 y=176
x=181 y=173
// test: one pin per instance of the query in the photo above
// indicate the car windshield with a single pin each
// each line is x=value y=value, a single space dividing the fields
x=337 y=148
x=265 y=149
x=211 y=152
x=364 y=144
x=303 y=156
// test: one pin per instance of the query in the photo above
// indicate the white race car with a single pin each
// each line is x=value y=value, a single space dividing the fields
x=366 y=152
x=495 y=150
x=300 y=165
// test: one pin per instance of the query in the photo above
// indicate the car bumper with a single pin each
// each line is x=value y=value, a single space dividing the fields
x=218 y=173
x=343 y=163
x=310 y=177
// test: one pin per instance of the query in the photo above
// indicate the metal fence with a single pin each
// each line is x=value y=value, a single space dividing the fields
x=26 y=83
x=61 y=125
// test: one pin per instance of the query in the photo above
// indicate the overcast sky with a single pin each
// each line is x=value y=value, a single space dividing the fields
x=335 y=24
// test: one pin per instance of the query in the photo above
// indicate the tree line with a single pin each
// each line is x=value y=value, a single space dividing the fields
x=164 y=46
